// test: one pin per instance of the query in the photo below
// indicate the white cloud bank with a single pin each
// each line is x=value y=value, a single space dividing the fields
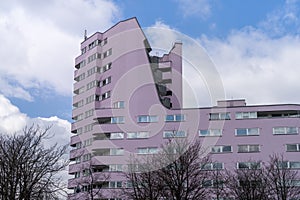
x=39 y=41
x=12 y=120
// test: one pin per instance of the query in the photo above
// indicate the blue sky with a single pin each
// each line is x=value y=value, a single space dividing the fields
x=254 y=45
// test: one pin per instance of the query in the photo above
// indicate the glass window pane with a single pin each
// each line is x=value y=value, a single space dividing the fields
x=295 y=165
x=291 y=130
x=179 y=118
x=253 y=131
x=203 y=132
x=279 y=130
x=131 y=135
x=241 y=131
x=291 y=147
x=243 y=148
x=215 y=132
x=254 y=148
x=143 y=118
x=169 y=118
x=227 y=149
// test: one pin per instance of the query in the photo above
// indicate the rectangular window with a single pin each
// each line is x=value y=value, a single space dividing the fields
x=89 y=113
x=105 y=68
x=93 y=70
x=248 y=148
x=92 y=84
x=115 y=184
x=213 y=166
x=87 y=142
x=117 y=120
x=86 y=157
x=219 y=116
x=79 y=90
x=148 y=150
x=245 y=115
x=90 y=99
x=248 y=165
x=115 y=168
x=246 y=131
x=78 y=117
x=94 y=57
x=289 y=165
x=172 y=134
x=107 y=53
x=78 y=104
x=210 y=132
x=116 y=136
x=80 y=65
x=119 y=104
x=284 y=130
x=221 y=149
x=137 y=135
x=116 y=151
x=83 y=50
x=104 y=42
x=105 y=82
x=88 y=128
x=175 y=118
x=80 y=77
x=147 y=118
x=213 y=183
x=293 y=147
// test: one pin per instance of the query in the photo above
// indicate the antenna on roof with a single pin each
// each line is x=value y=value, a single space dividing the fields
x=85 y=34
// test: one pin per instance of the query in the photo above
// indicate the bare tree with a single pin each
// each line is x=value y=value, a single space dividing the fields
x=175 y=173
x=94 y=178
x=29 y=170
x=216 y=184
x=248 y=182
x=282 y=178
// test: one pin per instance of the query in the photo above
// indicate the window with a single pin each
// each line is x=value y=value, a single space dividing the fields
x=78 y=117
x=79 y=90
x=88 y=127
x=246 y=131
x=175 y=118
x=117 y=120
x=80 y=77
x=77 y=175
x=92 y=84
x=105 y=68
x=148 y=150
x=213 y=166
x=147 y=118
x=87 y=142
x=171 y=134
x=104 y=42
x=289 y=165
x=213 y=183
x=285 y=130
x=80 y=65
x=219 y=116
x=221 y=149
x=107 y=53
x=77 y=160
x=89 y=113
x=137 y=135
x=248 y=165
x=115 y=168
x=293 y=147
x=248 y=148
x=246 y=115
x=93 y=70
x=105 y=82
x=90 y=99
x=94 y=57
x=119 y=104
x=78 y=104
x=83 y=50
x=116 y=136
x=104 y=96
x=210 y=132
x=115 y=184
x=86 y=157
x=116 y=151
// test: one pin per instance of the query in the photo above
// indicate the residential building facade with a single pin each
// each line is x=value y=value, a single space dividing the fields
x=128 y=102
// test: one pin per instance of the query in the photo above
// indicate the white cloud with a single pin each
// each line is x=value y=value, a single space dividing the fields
x=40 y=41
x=201 y=8
x=12 y=120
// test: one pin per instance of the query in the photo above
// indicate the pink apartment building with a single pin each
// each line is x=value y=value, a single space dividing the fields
x=128 y=102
